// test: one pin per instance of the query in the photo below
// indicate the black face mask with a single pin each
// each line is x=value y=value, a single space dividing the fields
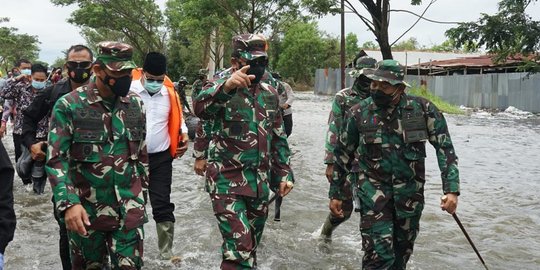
x=79 y=75
x=381 y=99
x=119 y=86
x=258 y=71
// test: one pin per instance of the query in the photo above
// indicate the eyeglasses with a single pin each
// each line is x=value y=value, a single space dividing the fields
x=153 y=80
x=82 y=64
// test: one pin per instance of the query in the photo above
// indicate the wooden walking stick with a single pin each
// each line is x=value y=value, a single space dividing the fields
x=454 y=215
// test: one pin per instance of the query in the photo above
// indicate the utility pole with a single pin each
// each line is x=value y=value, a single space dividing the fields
x=342 y=44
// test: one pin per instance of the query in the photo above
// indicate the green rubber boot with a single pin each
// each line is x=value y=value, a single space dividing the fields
x=165 y=233
x=327 y=229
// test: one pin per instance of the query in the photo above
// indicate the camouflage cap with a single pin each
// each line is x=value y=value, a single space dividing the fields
x=203 y=71
x=249 y=46
x=115 y=55
x=390 y=71
x=182 y=79
x=361 y=63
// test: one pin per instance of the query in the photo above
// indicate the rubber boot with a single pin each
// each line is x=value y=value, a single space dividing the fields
x=327 y=229
x=165 y=233
x=277 y=213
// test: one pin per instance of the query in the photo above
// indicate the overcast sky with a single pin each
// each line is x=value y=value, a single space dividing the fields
x=48 y=22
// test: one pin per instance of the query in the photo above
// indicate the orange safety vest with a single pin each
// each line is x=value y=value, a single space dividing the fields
x=175 y=114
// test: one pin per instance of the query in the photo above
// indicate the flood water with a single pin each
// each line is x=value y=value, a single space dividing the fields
x=500 y=179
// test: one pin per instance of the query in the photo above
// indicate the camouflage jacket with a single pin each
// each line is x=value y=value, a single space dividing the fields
x=343 y=101
x=197 y=87
x=203 y=134
x=390 y=144
x=97 y=157
x=249 y=147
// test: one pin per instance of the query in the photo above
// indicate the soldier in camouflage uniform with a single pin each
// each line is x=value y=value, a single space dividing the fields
x=203 y=133
x=98 y=164
x=200 y=82
x=343 y=101
x=387 y=132
x=248 y=154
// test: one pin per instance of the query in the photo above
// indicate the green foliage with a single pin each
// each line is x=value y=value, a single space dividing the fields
x=441 y=104
x=507 y=33
x=410 y=44
x=370 y=45
x=137 y=22
x=331 y=54
x=302 y=52
x=351 y=46
x=58 y=62
x=15 y=46
x=377 y=22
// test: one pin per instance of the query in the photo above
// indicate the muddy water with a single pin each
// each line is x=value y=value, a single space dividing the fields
x=500 y=180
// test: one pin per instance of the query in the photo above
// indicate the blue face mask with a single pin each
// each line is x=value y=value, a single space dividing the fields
x=152 y=87
x=38 y=85
x=26 y=71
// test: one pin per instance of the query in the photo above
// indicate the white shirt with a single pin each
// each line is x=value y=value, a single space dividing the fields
x=157 y=117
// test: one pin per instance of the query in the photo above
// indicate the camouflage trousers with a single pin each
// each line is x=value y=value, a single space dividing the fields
x=241 y=222
x=387 y=240
x=125 y=248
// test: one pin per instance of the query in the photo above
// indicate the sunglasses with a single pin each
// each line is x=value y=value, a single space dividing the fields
x=261 y=61
x=82 y=64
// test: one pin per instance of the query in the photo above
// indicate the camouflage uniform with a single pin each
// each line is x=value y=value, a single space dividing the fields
x=343 y=101
x=248 y=154
x=199 y=83
x=97 y=158
x=390 y=144
x=204 y=128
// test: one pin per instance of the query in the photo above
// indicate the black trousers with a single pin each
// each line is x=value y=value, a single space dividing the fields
x=287 y=121
x=160 y=186
x=17 y=143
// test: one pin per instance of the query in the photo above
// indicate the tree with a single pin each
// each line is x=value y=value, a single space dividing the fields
x=302 y=52
x=410 y=44
x=212 y=23
x=507 y=33
x=138 y=22
x=351 y=46
x=196 y=36
x=379 y=11
x=370 y=45
x=15 y=46
x=58 y=62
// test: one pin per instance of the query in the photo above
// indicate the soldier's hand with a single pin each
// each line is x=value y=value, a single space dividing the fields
x=76 y=219
x=182 y=146
x=449 y=203
x=200 y=166
x=37 y=153
x=239 y=79
x=335 y=208
x=329 y=172
x=285 y=188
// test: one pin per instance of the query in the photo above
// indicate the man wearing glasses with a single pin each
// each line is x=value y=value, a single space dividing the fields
x=248 y=154
x=78 y=63
x=98 y=164
x=164 y=125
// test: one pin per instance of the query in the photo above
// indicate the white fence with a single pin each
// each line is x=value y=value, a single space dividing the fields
x=494 y=91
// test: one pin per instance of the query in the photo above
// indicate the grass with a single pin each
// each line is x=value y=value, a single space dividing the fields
x=441 y=104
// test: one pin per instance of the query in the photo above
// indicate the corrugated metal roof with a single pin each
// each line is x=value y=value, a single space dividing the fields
x=482 y=61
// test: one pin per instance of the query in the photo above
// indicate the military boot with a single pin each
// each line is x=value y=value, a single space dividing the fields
x=165 y=233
